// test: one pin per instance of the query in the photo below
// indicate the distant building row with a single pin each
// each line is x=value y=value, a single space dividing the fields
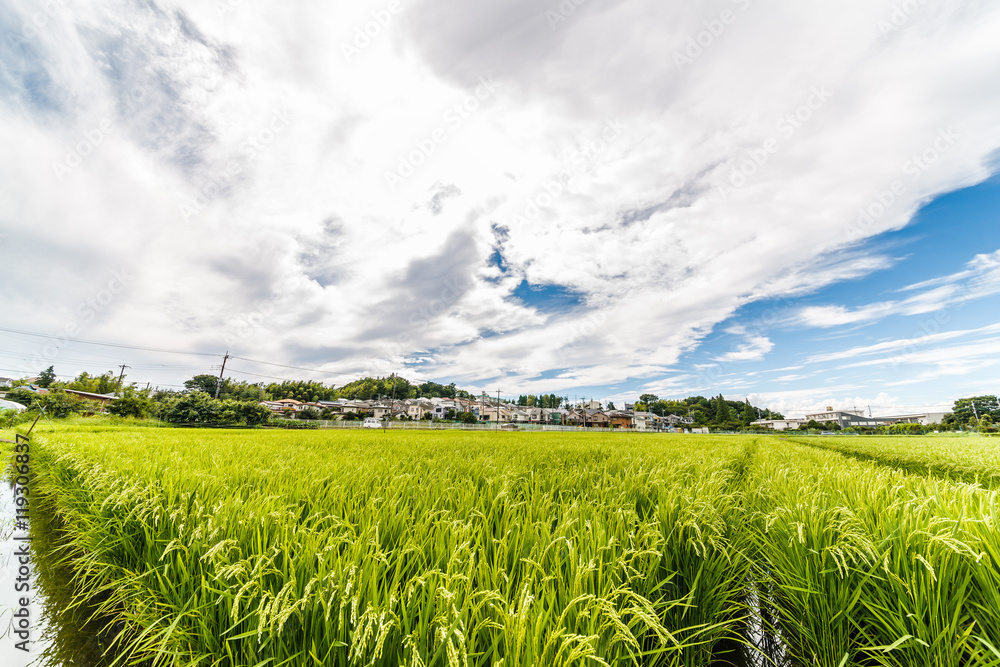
x=489 y=411
x=851 y=418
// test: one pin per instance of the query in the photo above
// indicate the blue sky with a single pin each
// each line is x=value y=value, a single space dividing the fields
x=796 y=207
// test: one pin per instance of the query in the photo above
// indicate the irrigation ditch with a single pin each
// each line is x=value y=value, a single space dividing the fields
x=44 y=620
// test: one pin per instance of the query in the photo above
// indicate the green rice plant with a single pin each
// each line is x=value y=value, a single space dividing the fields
x=971 y=459
x=865 y=564
x=369 y=548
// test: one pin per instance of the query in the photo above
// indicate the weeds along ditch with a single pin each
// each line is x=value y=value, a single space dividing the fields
x=465 y=548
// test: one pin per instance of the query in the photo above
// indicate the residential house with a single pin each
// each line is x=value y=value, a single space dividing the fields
x=443 y=405
x=645 y=421
x=284 y=405
x=677 y=420
x=596 y=419
x=619 y=419
x=495 y=413
x=379 y=411
x=553 y=415
x=419 y=409
x=356 y=407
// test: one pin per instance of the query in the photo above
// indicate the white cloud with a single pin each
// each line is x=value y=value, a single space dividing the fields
x=594 y=164
x=980 y=279
x=927 y=338
x=755 y=349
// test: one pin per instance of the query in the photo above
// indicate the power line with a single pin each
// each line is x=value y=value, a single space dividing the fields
x=296 y=368
x=98 y=363
x=269 y=377
x=117 y=345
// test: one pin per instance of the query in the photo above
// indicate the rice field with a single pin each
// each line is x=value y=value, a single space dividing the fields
x=962 y=458
x=466 y=548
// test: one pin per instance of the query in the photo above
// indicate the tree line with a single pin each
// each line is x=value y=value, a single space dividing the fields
x=205 y=399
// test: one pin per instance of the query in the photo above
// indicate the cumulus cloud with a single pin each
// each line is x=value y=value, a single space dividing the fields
x=246 y=158
x=755 y=349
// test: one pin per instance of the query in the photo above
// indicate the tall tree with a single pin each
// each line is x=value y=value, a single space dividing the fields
x=204 y=382
x=722 y=414
x=748 y=414
x=46 y=377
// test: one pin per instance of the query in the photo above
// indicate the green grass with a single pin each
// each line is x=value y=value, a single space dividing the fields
x=469 y=548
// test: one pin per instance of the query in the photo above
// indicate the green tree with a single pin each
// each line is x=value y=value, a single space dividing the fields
x=309 y=413
x=204 y=383
x=46 y=378
x=132 y=403
x=196 y=407
x=966 y=410
x=611 y=405
x=648 y=399
x=748 y=415
x=722 y=414
x=24 y=397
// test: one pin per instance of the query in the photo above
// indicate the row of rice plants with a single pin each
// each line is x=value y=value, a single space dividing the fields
x=971 y=459
x=364 y=548
x=862 y=564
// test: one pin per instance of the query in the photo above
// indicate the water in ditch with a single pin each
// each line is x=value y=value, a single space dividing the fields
x=58 y=634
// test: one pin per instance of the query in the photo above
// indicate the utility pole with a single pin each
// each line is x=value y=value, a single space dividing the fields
x=974 y=411
x=385 y=424
x=120 y=377
x=218 y=385
x=497 y=428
